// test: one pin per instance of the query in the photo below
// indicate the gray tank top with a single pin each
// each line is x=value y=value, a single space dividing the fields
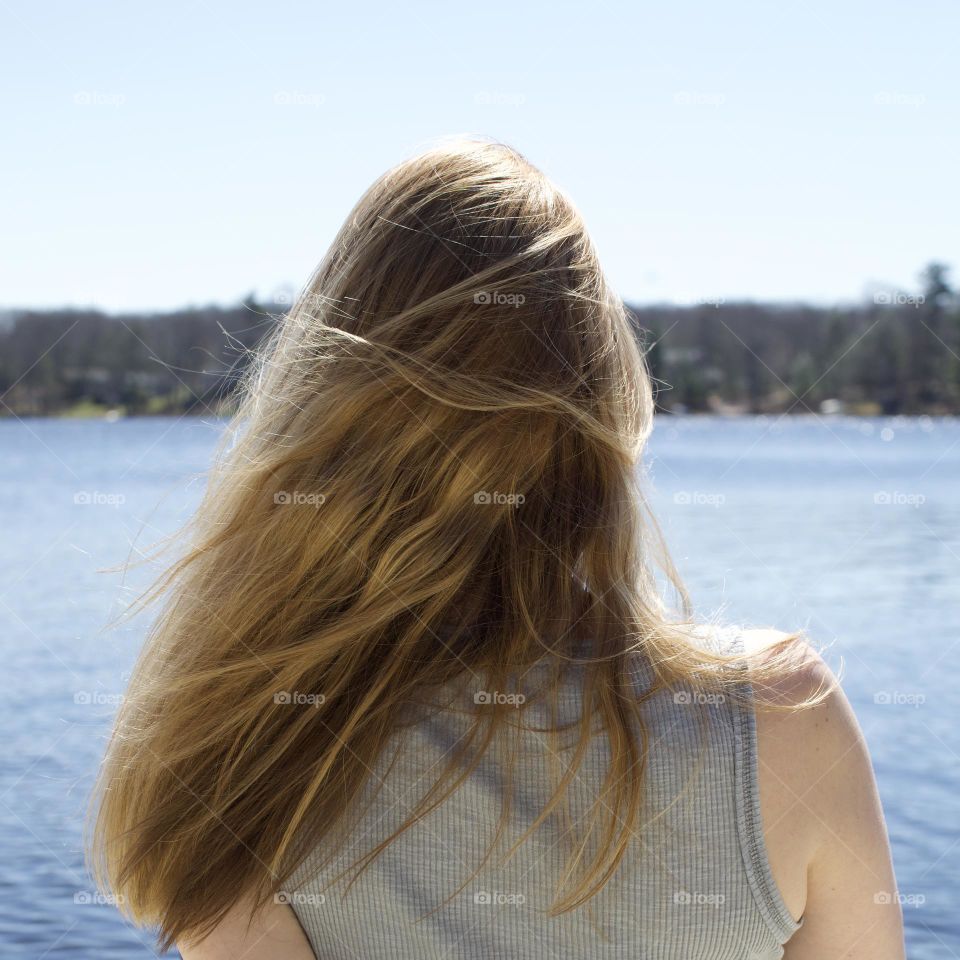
x=696 y=884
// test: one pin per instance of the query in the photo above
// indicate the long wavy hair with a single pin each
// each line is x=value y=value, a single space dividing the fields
x=433 y=472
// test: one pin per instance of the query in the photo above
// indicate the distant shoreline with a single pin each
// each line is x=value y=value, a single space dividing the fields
x=893 y=356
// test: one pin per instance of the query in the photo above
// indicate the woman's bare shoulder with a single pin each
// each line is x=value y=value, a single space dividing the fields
x=271 y=932
x=808 y=735
x=823 y=824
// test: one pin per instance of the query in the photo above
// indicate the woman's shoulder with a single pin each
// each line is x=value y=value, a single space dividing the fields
x=805 y=727
x=790 y=755
x=822 y=821
x=800 y=703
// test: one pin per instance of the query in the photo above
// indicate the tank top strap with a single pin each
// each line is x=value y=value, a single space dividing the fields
x=747 y=788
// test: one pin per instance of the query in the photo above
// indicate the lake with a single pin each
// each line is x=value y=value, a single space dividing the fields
x=847 y=528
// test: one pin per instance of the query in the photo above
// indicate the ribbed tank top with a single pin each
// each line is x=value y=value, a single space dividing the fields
x=695 y=884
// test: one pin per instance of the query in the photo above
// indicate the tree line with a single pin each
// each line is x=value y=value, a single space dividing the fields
x=896 y=354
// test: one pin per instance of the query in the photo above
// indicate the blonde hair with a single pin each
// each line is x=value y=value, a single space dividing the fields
x=433 y=471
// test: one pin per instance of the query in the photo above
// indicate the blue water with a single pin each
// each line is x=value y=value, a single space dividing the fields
x=849 y=529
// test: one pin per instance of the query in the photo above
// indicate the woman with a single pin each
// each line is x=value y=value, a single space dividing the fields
x=413 y=693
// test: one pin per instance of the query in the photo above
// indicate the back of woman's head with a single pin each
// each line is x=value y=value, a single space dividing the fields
x=432 y=473
x=459 y=385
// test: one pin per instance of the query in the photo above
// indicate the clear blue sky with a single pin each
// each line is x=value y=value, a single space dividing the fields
x=163 y=154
